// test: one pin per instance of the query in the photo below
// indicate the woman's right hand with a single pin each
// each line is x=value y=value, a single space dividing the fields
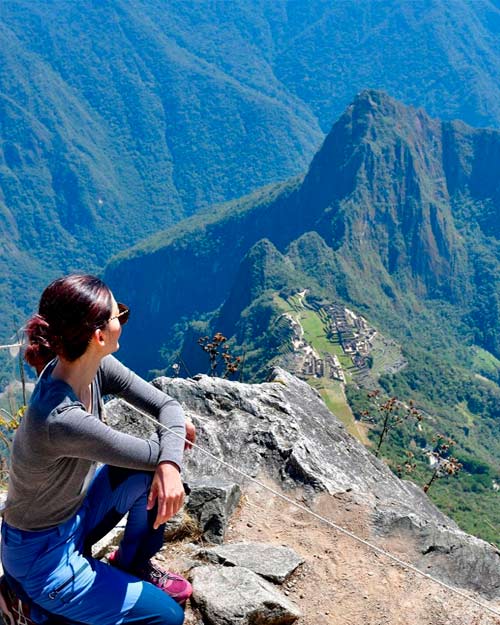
x=168 y=490
x=190 y=434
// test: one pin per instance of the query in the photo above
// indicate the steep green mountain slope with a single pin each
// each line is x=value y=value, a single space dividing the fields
x=113 y=125
x=397 y=217
x=396 y=209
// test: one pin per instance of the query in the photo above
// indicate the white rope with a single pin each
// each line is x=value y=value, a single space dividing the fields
x=323 y=519
x=10 y=346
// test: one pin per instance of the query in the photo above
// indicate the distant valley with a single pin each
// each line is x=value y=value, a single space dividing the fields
x=119 y=120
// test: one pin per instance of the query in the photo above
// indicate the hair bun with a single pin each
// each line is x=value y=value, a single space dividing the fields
x=40 y=349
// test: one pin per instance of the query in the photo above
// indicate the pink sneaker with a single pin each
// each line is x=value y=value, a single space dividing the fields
x=174 y=585
x=171 y=583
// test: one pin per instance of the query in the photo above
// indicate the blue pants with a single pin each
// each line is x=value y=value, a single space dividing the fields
x=55 y=570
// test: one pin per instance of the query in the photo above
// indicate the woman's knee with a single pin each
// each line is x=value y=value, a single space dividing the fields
x=127 y=486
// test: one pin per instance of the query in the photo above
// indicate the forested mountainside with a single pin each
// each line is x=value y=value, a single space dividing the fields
x=119 y=118
x=396 y=218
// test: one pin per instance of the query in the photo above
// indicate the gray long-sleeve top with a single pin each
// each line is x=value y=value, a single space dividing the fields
x=58 y=443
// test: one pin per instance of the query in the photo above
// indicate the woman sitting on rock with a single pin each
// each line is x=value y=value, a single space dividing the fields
x=58 y=504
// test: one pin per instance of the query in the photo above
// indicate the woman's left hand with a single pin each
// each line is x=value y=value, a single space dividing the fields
x=167 y=488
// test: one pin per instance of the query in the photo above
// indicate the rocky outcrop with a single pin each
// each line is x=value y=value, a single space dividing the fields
x=446 y=552
x=283 y=429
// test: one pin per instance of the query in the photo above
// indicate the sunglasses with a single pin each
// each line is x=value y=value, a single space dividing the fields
x=123 y=315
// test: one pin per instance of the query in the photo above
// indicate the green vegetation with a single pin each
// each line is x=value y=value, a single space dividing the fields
x=12 y=410
x=113 y=128
x=119 y=121
x=333 y=395
x=469 y=497
x=484 y=363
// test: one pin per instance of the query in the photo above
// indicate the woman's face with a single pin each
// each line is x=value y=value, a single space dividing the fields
x=113 y=329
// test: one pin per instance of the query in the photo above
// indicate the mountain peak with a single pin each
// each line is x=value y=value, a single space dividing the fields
x=372 y=120
x=375 y=116
x=381 y=179
x=374 y=99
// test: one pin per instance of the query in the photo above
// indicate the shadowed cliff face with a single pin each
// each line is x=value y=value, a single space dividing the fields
x=400 y=201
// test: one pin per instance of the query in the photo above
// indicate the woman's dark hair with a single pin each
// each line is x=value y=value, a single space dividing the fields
x=71 y=309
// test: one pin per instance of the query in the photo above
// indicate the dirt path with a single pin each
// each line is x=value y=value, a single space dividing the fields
x=343 y=582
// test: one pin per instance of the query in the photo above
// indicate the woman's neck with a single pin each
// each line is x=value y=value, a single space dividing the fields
x=78 y=374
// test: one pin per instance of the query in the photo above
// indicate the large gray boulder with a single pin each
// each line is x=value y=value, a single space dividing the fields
x=283 y=428
x=459 y=558
x=236 y=596
x=274 y=562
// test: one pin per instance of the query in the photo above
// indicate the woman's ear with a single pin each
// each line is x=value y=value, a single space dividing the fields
x=99 y=337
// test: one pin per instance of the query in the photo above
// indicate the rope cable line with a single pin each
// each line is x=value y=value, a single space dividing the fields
x=323 y=519
x=12 y=345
